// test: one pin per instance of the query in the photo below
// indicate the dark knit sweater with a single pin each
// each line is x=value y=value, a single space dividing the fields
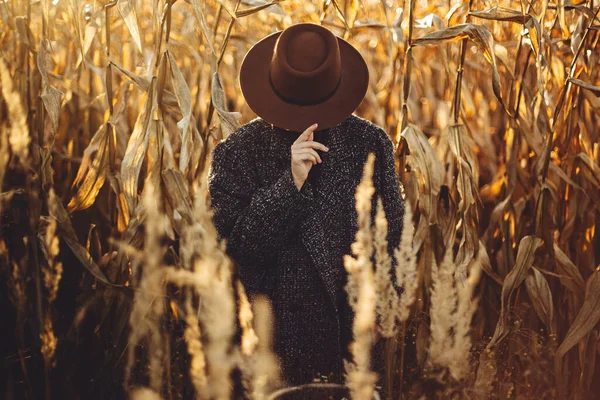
x=289 y=244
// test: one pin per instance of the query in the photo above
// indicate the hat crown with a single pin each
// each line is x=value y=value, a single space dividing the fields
x=306 y=64
x=301 y=60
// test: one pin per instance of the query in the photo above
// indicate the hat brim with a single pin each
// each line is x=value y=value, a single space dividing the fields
x=261 y=98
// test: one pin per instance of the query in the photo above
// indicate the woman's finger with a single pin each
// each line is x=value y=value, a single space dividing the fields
x=310 y=151
x=308 y=157
x=306 y=134
x=313 y=144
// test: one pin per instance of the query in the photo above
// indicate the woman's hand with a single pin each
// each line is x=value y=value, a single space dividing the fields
x=304 y=155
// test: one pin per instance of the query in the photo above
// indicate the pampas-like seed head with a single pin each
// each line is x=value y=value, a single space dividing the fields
x=452 y=309
x=406 y=265
x=387 y=299
x=361 y=292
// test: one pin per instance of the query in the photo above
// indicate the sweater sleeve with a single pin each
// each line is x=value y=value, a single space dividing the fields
x=253 y=219
x=387 y=185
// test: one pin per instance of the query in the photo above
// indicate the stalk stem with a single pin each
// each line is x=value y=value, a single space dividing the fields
x=463 y=52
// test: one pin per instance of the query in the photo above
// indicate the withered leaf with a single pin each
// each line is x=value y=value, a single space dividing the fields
x=51 y=96
x=24 y=32
x=75 y=12
x=544 y=217
x=68 y=235
x=525 y=257
x=168 y=98
x=586 y=319
x=230 y=121
x=340 y=14
x=463 y=150
x=571 y=278
x=594 y=89
x=228 y=9
x=86 y=260
x=577 y=6
x=478 y=34
x=259 y=7
x=92 y=171
x=486 y=265
x=139 y=81
x=178 y=194
x=203 y=24
x=541 y=297
x=430 y=20
x=589 y=168
x=184 y=99
x=528 y=20
x=122 y=207
x=136 y=149
x=424 y=160
x=127 y=11
x=91 y=28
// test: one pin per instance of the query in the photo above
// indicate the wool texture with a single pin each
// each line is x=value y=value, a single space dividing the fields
x=289 y=244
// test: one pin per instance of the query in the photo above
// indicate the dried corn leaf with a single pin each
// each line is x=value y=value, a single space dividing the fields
x=586 y=319
x=469 y=243
x=589 y=168
x=87 y=261
x=184 y=99
x=203 y=24
x=91 y=174
x=228 y=9
x=423 y=159
x=544 y=217
x=50 y=95
x=139 y=81
x=178 y=193
x=122 y=207
x=588 y=357
x=340 y=14
x=230 y=121
x=528 y=21
x=578 y=34
x=463 y=150
x=594 y=89
x=525 y=257
x=91 y=28
x=563 y=175
x=68 y=235
x=486 y=265
x=541 y=298
x=430 y=20
x=136 y=149
x=127 y=10
x=75 y=18
x=24 y=32
x=582 y=9
x=153 y=155
x=167 y=98
x=478 y=34
x=261 y=5
x=570 y=275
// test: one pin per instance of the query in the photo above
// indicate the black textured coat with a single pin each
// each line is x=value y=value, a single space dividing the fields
x=289 y=244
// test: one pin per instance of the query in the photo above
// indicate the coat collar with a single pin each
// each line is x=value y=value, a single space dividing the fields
x=328 y=198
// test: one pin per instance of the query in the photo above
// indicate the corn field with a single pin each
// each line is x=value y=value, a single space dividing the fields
x=114 y=283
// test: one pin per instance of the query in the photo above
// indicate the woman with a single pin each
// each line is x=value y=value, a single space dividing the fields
x=282 y=191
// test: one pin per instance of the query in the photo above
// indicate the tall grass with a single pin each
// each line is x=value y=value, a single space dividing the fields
x=114 y=284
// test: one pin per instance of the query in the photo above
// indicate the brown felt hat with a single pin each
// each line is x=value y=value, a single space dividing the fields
x=303 y=75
